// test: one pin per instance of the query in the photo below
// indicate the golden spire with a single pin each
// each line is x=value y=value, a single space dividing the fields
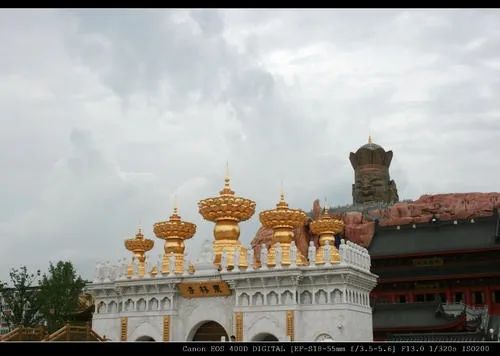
x=282 y=220
x=139 y=246
x=227 y=210
x=370 y=138
x=174 y=232
x=326 y=227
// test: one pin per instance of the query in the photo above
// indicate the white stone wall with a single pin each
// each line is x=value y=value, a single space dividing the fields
x=192 y=313
x=258 y=322
x=329 y=301
x=341 y=324
x=140 y=326
x=107 y=326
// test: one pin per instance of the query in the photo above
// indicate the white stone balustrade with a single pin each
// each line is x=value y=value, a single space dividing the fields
x=263 y=257
x=311 y=254
x=293 y=255
x=236 y=259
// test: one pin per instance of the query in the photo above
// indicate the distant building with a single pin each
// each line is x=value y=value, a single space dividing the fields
x=437 y=258
x=451 y=262
x=432 y=255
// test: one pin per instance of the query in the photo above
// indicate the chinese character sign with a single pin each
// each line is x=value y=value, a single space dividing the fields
x=204 y=289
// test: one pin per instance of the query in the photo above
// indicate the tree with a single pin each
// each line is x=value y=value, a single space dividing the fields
x=59 y=294
x=21 y=299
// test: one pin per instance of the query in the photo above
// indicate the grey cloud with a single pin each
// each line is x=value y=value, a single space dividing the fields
x=209 y=21
x=156 y=52
x=107 y=114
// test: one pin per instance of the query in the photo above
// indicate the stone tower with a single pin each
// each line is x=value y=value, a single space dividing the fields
x=372 y=182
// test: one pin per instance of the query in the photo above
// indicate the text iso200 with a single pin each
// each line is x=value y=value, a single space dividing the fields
x=475 y=348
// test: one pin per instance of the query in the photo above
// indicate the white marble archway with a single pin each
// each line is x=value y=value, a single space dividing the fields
x=265 y=337
x=265 y=324
x=145 y=329
x=197 y=327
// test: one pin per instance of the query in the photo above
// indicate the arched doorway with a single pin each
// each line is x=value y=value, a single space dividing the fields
x=210 y=331
x=324 y=338
x=145 y=338
x=265 y=337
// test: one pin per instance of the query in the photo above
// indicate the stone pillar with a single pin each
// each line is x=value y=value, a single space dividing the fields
x=171 y=263
x=166 y=328
x=123 y=329
x=290 y=327
x=238 y=316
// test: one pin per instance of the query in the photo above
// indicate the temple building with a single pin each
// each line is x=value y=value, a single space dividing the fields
x=437 y=258
x=228 y=293
x=379 y=269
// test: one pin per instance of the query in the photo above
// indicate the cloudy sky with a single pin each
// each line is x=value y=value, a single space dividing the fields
x=106 y=115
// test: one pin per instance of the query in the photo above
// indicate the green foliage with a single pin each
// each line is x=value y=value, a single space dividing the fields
x=21 y=299
x=59 y=294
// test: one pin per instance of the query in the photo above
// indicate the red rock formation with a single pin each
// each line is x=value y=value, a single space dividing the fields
x=302 y=236
x=443 y=206
x=359 y=229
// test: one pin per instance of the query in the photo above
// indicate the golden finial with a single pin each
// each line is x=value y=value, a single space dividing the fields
x=282 y=192
x=227 y=179
x=176 y=207
x=282 y=204
x=227 y=189
x=370 y=138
